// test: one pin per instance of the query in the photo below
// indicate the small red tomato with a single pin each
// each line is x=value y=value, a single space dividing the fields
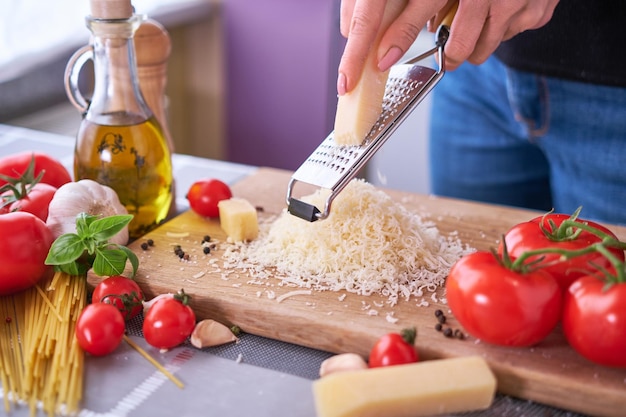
x=124 y=293
x=501 y=306
x=203 y=196
x=169 y=322
x=34 y=199
x=394 y=349
x=100 y=329
x=529 y=236
x=594 y=320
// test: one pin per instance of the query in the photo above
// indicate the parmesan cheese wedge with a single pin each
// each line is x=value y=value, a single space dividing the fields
x=359 y=109
x=419 y=389
x=238 y=218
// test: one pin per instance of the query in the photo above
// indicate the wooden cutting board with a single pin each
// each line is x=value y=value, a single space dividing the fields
x=550 y=373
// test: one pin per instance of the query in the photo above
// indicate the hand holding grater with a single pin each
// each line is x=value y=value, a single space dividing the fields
x=332 y=166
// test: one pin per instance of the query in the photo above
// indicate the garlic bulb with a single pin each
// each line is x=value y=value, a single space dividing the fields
x=84 y=196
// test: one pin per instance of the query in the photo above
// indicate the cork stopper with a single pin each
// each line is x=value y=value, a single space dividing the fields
x=111 y=9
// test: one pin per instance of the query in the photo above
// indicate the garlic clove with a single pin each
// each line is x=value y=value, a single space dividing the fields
x=209 y=333
x=150 y=303
x=342 y=362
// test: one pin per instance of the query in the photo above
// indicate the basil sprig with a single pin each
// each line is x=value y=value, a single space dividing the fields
x=89 y=247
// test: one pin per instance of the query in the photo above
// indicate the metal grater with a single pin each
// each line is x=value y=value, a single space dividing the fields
x=332 y=166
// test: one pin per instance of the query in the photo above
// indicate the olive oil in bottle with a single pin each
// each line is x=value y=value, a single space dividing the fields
x=120 y=143
x=139 y=171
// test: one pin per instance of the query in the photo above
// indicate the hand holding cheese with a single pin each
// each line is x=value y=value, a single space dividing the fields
x=420 y=389
x=358 y=110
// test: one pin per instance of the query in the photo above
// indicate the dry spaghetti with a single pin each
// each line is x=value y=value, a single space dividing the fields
x=41 y=363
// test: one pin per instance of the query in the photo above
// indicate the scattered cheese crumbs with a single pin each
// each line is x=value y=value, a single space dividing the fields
x=370 y=244
x=199 y=274
x=342 y=297
x=390 y=318
x=291 y=294
x=177 y=234
x=372 y=312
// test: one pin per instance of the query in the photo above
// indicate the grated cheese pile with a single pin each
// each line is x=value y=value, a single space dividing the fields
x=369 y=244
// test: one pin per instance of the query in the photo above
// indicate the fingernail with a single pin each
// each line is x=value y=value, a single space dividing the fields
x=391 y=57
x=341 y=84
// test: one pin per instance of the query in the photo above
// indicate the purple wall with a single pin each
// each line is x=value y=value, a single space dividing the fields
x=282 y=58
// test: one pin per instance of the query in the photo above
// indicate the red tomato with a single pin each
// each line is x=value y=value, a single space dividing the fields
x=124 y=293
x=393 y=349
x=35 y=200
x=15 y=165
x=203 y=196
x=594 y=320
x=528 y=236
x=501 y=306
x=168 y=322
x=100 y=329
x=24 y=244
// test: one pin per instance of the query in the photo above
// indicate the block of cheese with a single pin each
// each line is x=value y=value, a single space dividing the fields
x=238 y=218
x=420 y=389
x=359 y=109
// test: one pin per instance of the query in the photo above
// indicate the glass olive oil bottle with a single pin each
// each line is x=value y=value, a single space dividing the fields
x=120 y=142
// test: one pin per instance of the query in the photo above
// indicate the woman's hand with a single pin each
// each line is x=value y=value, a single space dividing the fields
x=479 y=26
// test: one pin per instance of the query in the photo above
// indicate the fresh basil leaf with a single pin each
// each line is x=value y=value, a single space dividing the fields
x=107 y=227
x=82 y=226
x=90 y=245
x=109 y=262
x=134 y=261
x=65 y=249
x=73 y=268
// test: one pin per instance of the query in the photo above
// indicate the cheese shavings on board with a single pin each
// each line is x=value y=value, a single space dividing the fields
x=370 y=244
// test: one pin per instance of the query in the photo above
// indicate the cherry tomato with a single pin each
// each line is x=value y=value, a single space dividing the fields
x=529 y=236
x=100 y=329
x=501 y=306
x=124 y=293
x=169 y=322
x=35 y=199
x=594 y=320
x=24 y=244
x=203 y=196
x=394 y=349
x=15 y=165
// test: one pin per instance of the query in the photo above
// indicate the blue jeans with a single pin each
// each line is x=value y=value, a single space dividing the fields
x=514 y=138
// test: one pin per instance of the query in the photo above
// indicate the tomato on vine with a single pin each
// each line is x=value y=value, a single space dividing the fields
x=594 y=315
x=563 y=233
x=394 y=349
x=122 y=292
x=501 y=303
x=26 y=192
x=169 y=321
x=51 y=170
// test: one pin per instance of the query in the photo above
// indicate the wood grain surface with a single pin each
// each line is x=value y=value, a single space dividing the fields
x=550 y=373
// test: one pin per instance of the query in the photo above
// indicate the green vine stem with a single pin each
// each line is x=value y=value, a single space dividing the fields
x=564 y=232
